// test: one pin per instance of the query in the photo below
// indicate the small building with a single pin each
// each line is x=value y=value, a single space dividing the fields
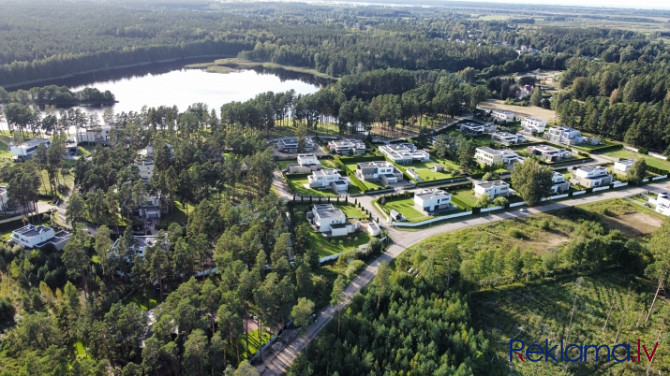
x=290 y=145
x=549 y=153
x=139 y=246
x=25 y=151
x=31 y=236
x=329 y=177
x=330 y=220
x=382 y=171
x=507 y=138
x=438 y=167
x=432 y=200
x=492 y=188
x=662 y=202
x=71 y=150
x=502 y=116
x=98 y=135
x=533 y=125
x=395 y=215
x=309 y=160
x=476 y=129
x=623 y=165
x=558 y=184
x=405 y=153
x=593 y=176
x=4 y=198
x=490 y=157
x=372 y=227
x=146 y=167
x=347 y=147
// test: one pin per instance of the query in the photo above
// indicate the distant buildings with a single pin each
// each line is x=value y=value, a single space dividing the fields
x=26 y=150
x=146 y=167
x=382 y=171
x=290 y=145
x=506 y=138
x=533 y=125
x=404 y=153
x=490 y=157
x=549 y=153
x=568 y=136
x=347 y=147
x=432 y=200
x=328 y=178
x=622 y=166
x=476 y=129
x=593 y=176
x=558 y=184
x=32 y=236
x=502 y=115
x=98 y=135
x=492 y=188
x=662 y=202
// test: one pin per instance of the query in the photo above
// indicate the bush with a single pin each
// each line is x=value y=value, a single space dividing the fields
x=544 y=225
x=643 y=150
x=516 y=233
x=353 y=268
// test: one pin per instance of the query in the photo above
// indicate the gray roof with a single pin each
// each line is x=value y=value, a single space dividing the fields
x=489 y=184
x=327 y=210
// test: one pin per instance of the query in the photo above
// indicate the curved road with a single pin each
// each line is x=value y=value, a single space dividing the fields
x=277 y=362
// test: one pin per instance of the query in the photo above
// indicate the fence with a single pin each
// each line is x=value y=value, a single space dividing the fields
x=618 y=184
x=598 y=189
x=517 y=204
x=659 y=177
x=433 y=220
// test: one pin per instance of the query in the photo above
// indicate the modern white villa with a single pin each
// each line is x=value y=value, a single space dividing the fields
x=507 y=138
x=662 y=202
x=347 y=147
x=31 y=236
x=568 y=136
x=558 y=183
x=309 y=160
x=487 y=156
x=328 y=178
x=533 y=125
x=622 y=166
x=476 y=129
x=432 y=200
x=492 y=188
x=331 y=221
x=404 y=153
x=593 y=176
x=502 y=115
x=382 y=171
x=549 y=153
x=27 y=149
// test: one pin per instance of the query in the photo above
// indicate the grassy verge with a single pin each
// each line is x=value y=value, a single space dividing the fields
x=651 y=161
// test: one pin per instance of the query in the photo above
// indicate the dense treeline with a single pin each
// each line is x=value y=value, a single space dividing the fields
x=58 y=96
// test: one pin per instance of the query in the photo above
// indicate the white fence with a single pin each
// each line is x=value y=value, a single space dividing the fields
x=578 y=193
x=558 y=197
x=486 y=210
x=618 y=184
x=598 y=189
x=659 y=177
x=433 y=220
x=517 y=204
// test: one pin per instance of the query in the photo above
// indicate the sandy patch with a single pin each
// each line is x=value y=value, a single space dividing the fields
x=634 y=224
x=523 y=111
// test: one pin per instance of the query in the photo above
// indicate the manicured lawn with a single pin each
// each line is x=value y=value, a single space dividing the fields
x=332 y=246
x=407 y=209
x=368 y=184
x=298 y=186
x=351 y=211
x=651 y=161
x=257 y=339
x=426 y=173
x=465 y=196
x=178 y=215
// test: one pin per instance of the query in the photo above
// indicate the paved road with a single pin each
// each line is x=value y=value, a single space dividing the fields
x=278 y=362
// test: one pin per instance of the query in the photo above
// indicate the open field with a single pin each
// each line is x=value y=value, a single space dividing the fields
x=426 y=173
x=534 y=111
x=651 y=161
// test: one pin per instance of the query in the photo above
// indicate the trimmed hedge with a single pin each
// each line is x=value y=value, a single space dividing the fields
x=18 y=223
x=440 y=181
x=657 y=171
x=607 y=149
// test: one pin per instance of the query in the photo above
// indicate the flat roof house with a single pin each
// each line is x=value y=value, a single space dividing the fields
x=558 y=183
x=307 y=160
x=549 y=153
x=290 y=145
x=593 y=176
x=533 y=125
x=31 y=236
x=26 y=150
x=507 y=138
x=502 y=115
x=486 y=155
x=622 y=166
x=94 y=136
x=662 y=203
x=432 y=200
x=328 y=177
x=492 y=188
x=404 y=153
x=476 y=129
x=382 y=171
x=331 y=220
x=347 y=147
x=146 y=167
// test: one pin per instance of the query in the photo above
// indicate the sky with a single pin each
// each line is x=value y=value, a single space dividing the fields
x=640 y=4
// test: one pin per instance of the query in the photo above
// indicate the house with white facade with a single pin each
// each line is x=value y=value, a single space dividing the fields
x=328 y=178
x=593 y=176
x=347 y=147
x=98 y=135
x=623 y=165
x=568 y=136
x=492 y=188
x=290 y=145
x=404 y=153
x=432 y=200
x=487 y=156
x=502 y=115
x=382 y=171
x=549 y=153
x=146 y=167
x=662 y=202
x=533 y=125
x=27 y=149
x=558 y=184
x=31 y=236
x=139 y=246
x=476 y=129
x=331 y=221
x=507 y=138
x=309 y=160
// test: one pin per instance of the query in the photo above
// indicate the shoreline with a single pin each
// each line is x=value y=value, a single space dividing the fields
x=237 y=63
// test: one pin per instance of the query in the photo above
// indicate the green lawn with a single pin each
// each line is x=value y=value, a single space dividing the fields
x=407 y=209
x=5 y=139
x=298 y=186
x=178 y=215
x=465 y=196
x=80 y=351
x=651 y=161
x=144 y=299
x=425 y=172
x=325 y=163
x=332 y=246
x=368 y=184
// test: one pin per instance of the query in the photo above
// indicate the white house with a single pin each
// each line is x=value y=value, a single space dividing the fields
x=558 y=183
x=32 y=236
x=404 y=153
x=98 y=135
x=290 y=144
x=308 y=160
x=328 y=219
x=622 y=166
x=476 y=129
x=549 y=153
x=431 y=200
x=662 y=203
x=382 y=171
x=146 y=167
x=502 y=115
x=347 y=147
x=533 y=125
x=486 y=155
x=507 y=138
x=4 y=199
x=593 y=176
x=492 y=188
x=26 y=150
x=328 y=177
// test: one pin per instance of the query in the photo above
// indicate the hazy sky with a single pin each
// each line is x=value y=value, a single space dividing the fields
x=646 y=4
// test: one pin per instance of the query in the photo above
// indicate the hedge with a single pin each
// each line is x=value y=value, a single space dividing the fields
x=18 y=223
x=606 y=149
x=657 y=171
x=369 y=158
x=440 y=181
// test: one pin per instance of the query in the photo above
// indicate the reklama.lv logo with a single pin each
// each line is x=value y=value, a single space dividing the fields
x=577 y=353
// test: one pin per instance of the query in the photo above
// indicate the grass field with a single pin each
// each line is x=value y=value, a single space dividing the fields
x=651 y=161
x=533 y=111
x=465 y=196
x=178 y=215
x=407 y=209
x=426 y=173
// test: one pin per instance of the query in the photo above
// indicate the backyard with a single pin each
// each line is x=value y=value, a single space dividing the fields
x=651 y=161
x=464 y=198
x=426 y=172
x=369 y=184
x=407 y=209
x=299 y=186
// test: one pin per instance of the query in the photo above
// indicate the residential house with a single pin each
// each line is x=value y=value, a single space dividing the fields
x=404 y=153
x=31 y=236
x=506 y=138
x=326 y=178
x=492 y=188
x=26 y=150
x=662 y=202
x=99 y=135
x=330 y=220
x=558 y=184
x=382 y=171
x=568 y=136
x=309 y=160
x=549 y=153
x=146 y=167
x=139 y=246
x=290 y=145
x=623 y=165
x=71 y=150
x=347 y=147
x=502 y=115
x=593 y=176
x=533 y=125
x=490 y=157
x=432 y=200
x=476 y=129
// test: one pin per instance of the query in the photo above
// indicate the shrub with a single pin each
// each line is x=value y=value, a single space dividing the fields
x=353 y=268
x=544 y=225
x=643 y=150
x=516 y=233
